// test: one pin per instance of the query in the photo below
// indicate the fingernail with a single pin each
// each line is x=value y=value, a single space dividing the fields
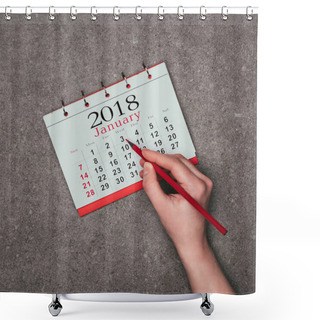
x=146 y=168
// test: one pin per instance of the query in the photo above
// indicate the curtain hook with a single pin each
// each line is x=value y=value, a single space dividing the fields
x=138 y=15
x=116 y=16
x=203 y=12
x=93 y=15
x=180 y=12
x=52 y=11
x=28 y=14
x=73 y=15
x=224 y=13
x=160 y=15
x=6 y=14
x=249 y=15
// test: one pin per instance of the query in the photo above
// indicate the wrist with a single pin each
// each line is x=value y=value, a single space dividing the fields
x=194 y=251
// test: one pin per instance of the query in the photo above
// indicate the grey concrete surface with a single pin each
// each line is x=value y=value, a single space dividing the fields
x=44 y=245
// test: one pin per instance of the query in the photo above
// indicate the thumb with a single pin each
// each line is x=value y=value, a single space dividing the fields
x=152 y=187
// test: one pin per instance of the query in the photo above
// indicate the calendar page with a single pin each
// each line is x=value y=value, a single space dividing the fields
x=89 y=136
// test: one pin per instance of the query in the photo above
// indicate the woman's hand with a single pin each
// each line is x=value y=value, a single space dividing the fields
x=183 y=223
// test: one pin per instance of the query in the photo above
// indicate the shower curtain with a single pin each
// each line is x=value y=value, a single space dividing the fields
x=122 y=246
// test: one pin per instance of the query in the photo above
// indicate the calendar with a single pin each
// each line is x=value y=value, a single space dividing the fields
x=89 y=136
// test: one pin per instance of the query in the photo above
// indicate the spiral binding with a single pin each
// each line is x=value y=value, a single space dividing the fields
x=73 y=11
x=103 y=87
x=65 y=113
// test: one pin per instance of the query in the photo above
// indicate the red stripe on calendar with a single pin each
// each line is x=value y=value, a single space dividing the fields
x=116 y=195
x=110 y=198
x=194 y=160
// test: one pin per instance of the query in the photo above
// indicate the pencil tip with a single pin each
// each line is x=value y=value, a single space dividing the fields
x=131 y=144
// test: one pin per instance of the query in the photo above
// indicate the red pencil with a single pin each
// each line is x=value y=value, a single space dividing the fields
x=179 y=189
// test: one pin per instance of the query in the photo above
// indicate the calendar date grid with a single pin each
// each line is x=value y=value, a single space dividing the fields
x=108 y=157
